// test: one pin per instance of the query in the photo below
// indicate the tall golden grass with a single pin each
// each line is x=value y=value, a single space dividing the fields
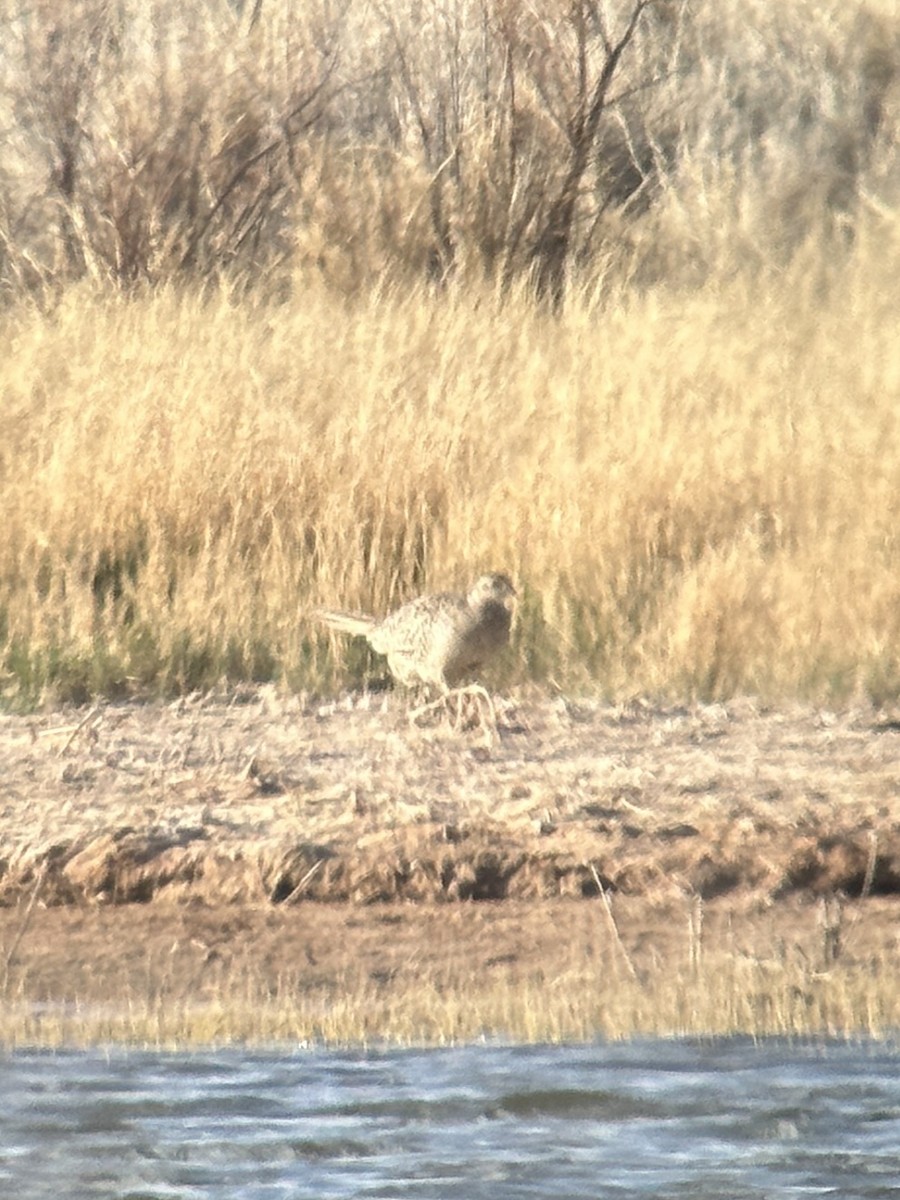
x=697 y=493
x=268 y=347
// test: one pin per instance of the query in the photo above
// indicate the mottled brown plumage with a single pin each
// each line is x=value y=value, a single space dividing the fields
x=437 y=639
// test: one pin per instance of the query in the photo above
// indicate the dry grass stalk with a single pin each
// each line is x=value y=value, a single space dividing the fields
x=611 y=921
x=298 y=891
x=16 y=942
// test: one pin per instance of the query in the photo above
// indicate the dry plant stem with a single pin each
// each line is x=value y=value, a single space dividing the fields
x=834 y=934
x=695 y=931
x=870 y=865
x=607 y=907
x=831 y=921
x=301 y=886
x=89 y=718
x=23 y=926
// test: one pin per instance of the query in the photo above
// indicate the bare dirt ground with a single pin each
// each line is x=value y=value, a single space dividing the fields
x=291 y=837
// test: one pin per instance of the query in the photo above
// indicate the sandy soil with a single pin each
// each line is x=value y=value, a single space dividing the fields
x=224 y=818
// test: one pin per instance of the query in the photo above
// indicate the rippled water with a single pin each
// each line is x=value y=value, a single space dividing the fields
x=663 y=1119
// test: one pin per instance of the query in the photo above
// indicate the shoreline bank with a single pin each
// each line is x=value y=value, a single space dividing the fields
x=258 y=867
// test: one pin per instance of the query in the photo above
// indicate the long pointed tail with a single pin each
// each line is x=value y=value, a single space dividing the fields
x=355 y=623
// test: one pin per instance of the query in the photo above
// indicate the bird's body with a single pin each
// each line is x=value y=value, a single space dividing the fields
x=437 y=639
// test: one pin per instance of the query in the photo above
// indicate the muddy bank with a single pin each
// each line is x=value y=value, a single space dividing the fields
x=340 y=951
x=261 y=800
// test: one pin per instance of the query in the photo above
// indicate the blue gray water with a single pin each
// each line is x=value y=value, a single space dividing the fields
x=662 y=1119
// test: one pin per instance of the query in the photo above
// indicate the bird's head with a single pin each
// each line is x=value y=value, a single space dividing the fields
x=494 y=587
